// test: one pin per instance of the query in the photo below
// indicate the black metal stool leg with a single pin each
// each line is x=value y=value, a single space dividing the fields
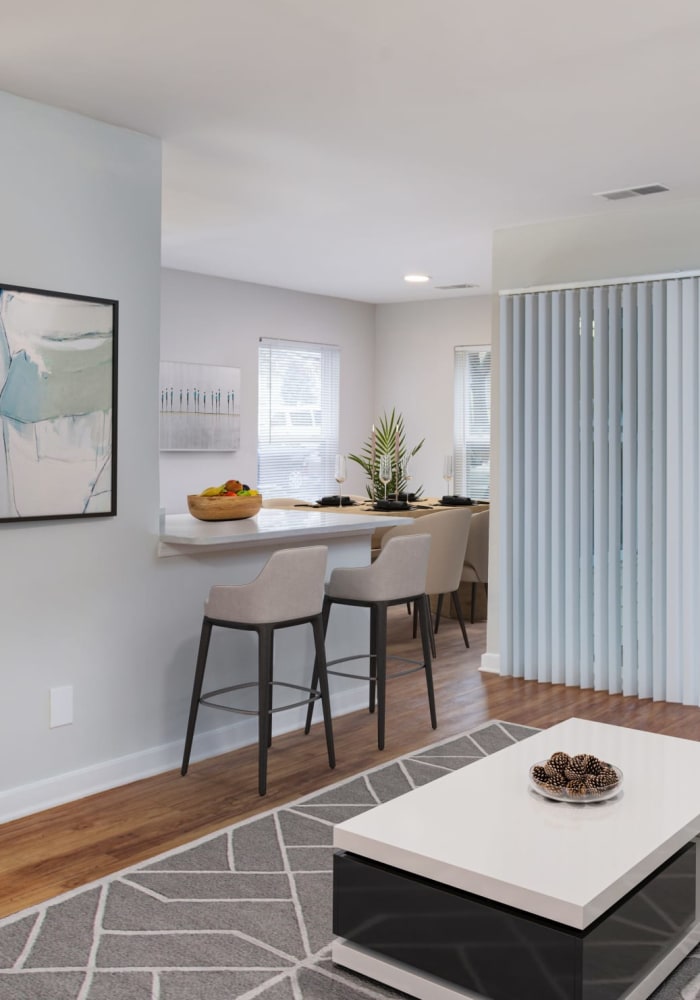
x=264 y=669
x=380 y=667
x=320 y=669
x=426 y=631
x=372 y=656
x=325 y=614
x=204 y=638
x=272 y=677
x=460 y=616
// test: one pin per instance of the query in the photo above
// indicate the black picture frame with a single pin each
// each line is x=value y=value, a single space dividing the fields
x=58 y=405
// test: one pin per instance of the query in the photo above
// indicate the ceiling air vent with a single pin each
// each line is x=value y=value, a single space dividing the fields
x=635 y=192
x=451 y=288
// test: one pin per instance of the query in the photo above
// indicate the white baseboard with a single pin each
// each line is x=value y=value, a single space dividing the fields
x=50 y=792
x=490 y=663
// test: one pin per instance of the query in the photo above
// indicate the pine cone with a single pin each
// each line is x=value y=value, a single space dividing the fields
x=607 y=778
x=579 y=763
x=596 y=766
x=539 y=774
x=575 y=788
x=559 y=760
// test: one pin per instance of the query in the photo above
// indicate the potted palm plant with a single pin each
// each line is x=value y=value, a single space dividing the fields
x=388 y=437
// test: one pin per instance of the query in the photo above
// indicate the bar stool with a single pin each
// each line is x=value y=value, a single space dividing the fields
x=398 y=575
x=287 y=592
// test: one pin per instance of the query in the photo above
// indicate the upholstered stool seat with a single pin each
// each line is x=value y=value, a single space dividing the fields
x=398 y=575
x=288 y=591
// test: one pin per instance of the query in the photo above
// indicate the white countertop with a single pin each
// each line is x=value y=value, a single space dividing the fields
x=483 y=830
x=269 y=525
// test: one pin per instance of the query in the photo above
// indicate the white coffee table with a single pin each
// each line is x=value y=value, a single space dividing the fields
x=476 y=886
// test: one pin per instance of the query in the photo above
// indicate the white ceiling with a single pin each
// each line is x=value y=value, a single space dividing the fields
x=331 y=146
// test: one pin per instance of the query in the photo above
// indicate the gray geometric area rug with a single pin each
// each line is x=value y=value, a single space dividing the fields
x=240 y=914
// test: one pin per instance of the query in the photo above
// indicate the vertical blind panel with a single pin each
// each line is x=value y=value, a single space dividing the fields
x=572 y=499
x=543 y=614
x=630 y=492
x=689 y=527
x=507 y=333
x=644 y=457
x=614 y=682
x=557 y=430
x=674 y=493
x=586 y=489
x=600 y=488
x=659 y=541
x=530 y=486
x=518 y=484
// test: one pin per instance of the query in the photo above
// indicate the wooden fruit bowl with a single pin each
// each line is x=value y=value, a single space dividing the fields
x=223 y=508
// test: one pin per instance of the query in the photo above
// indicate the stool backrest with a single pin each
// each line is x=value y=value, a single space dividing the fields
x=449 y=531
x=290 y=585
x=397 y=574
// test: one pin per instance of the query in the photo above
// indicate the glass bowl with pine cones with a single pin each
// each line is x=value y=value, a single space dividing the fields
x=580 y=777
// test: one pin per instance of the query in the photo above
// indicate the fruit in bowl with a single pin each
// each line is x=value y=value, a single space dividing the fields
x=232 y=487
x=232 y=501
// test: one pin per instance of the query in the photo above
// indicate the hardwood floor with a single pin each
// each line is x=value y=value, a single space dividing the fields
x=51 y=852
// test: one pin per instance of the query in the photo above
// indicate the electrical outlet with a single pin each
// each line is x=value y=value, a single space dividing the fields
x=61 y=706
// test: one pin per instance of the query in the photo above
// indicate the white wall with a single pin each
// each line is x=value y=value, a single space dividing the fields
x=217 y=321
x=628 y=240
x=415 y=372
x=81 y=214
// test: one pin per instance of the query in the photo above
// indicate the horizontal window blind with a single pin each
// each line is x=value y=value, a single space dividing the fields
x=298 y=404
x=472 y=422
x=600 y=487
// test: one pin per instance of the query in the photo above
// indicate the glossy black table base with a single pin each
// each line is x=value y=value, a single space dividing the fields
x=477 y=948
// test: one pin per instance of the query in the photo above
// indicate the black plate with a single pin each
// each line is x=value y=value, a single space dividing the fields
x=453 y=501
x=336 y=502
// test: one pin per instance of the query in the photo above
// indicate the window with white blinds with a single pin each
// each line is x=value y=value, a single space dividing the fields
x=298 y=402
x=472 y=422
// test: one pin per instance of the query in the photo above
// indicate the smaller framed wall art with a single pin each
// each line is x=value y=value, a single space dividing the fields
x=58 y=404
x=199 y=407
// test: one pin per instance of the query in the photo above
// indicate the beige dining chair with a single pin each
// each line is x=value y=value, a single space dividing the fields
x=476 y=559
x=449 y=531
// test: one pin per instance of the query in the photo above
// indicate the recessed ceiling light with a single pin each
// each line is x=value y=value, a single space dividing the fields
x=416 y=278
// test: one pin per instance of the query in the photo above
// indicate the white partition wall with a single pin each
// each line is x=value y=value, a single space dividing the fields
x=600 y=486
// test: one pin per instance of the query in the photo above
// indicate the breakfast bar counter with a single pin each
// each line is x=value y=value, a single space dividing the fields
x=180 y=534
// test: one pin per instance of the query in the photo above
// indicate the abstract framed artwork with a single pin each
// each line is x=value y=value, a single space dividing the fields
x=58 y=404
x=199 y=407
